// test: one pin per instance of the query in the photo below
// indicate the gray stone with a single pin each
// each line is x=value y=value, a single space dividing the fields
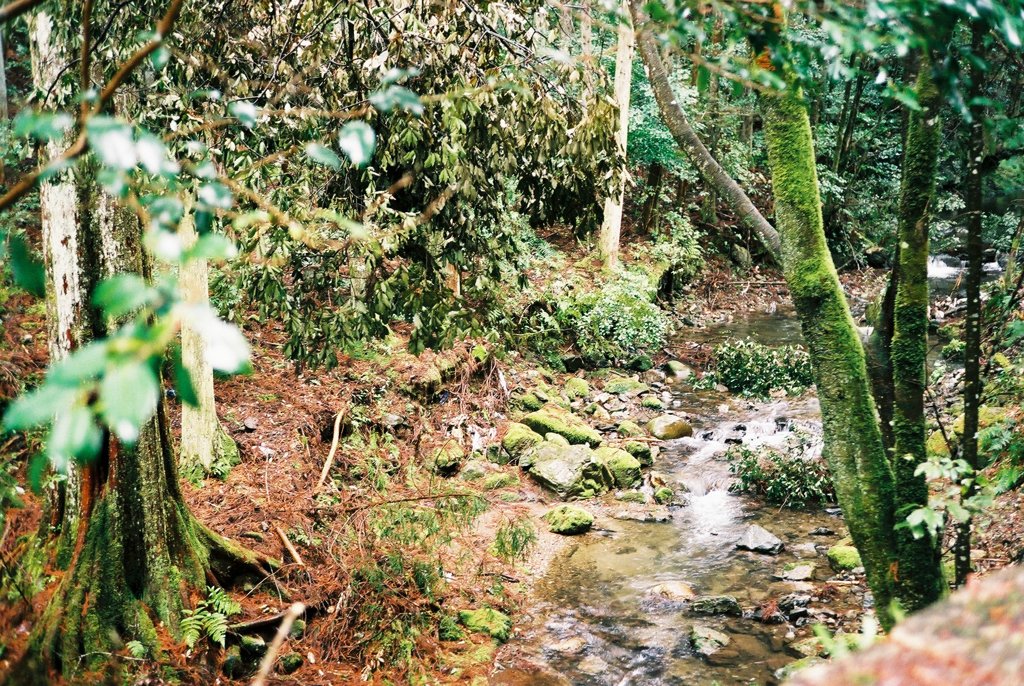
x=716 y=605
x=760 y=540
x=707 y=641
x=571 y=471
x=667 y=427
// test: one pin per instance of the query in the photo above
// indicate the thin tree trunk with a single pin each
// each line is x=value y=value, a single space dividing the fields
x=852 y=440
x=4 y=113
x=205 y=445
x=611 y=226
x=919 y=576
x=972 y=321
x=654 y=177
x=710 y=171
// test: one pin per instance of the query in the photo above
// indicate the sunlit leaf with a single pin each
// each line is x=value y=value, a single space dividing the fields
x=357 y=140
x=323 y=155
x=129 y=393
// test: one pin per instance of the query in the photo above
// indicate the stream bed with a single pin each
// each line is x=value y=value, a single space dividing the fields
x=600 y=615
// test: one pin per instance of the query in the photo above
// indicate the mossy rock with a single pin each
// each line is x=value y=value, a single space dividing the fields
x=641 y=363
x=529 y=402
x=571 y=471
x=423 y=384
x=518 y=439
x=631 y=497
x=501 y=480
x=576 y=388
x=641 y=451
x=664 y=495
x=556 y=438
x=447 y=458
x=624 y=467
x=233 y=667
x=480 y=354
x=678 y=370
x=554 y=419
x=629 y=429
x=987 y=416
x=569 y=520
x=652 y=402
x=487 y=621
x=843 y=557
x=289 y=662
x=668 y=427
x=629 y=387
x=253 y=648
x=783 y=673
x=448 y=629
x=474 y=470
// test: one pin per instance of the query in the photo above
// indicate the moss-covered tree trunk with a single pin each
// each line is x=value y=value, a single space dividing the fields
x=919 y=576
x=852 y=439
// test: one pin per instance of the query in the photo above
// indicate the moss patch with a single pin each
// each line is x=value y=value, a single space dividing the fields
x=624 y=467
x=487 y=621
x=576 y=388
x=518 y=439
x=629 y=428
x=625 y=386
x=843 y=557
x=641 y=451
x=554 y=419
x=569 y=520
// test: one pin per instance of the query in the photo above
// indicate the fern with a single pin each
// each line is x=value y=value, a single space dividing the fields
x=136 y=649
x=209 y=618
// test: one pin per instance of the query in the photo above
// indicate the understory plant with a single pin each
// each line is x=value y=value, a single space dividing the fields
x=753 y=369
x=791 y=475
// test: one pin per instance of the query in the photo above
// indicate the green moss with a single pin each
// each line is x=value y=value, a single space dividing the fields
x=518 y=439
x=448 y=629
x=576 y=388
x=641 y=451
x=289 y=662
x=529 y=402
x=629 y=428
x=663 y=495
x=652 y=402
x=554 y=419
x=625 y=386
x=487 y=621
x=624 y=467
x=843 y=557
x=569 y=520
x=447 y=458
x=495 y=481
x=631 y=497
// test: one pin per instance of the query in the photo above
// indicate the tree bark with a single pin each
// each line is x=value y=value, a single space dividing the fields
x=972 y=320
x=611 y=226
x=655 y=174
x=205 y=445
x=852 y=439
x=707 y=166
x=919 y=575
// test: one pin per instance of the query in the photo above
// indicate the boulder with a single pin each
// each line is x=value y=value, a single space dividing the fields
x=518 y=439
x=843 y=557
x=500 y=480
x=487 y=621
x=629 y=428
x=759 y=540
x=801 y=572
x=554 y=419
x=576 y=388
x=664 y=495
x=446 y=459
x=667 y=427
x=707 y=641
x=474 y=470
x=624 y=467
x=568 y=520
x=673 y=591
x=677 y=370
x=641 y=451
x=716 y=605
x=652 y=402
x=628 y=387
x=571 y=471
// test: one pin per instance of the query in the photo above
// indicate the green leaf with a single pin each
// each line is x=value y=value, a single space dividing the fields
x=85 y=364
x=357 y=141
x=42 y=126
x=129 y=394
x=401 y=97
x=74 y=435
x=244 y=111
x=159 y=57
x=113 y=142
x=25 y=266
x=36 y=469
x=214 y=195
x=212 y=246
x=122 y=294
x=183 y=381
x=38 y=407
x=226 y=349
x=323 y=155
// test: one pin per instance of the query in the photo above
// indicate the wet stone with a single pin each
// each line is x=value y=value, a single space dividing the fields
x=707 y=641
x=759 y=540
x=716 y=605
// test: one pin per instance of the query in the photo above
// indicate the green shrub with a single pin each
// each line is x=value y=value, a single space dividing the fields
x=615 y=321
x=954 y=350
x=754 y=369
x=514 y=539
x=783 y=477
x=678 y=247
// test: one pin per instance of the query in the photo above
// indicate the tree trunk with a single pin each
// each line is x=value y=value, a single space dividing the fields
x=654 y=177
x=852 y=440
x=972 y=320
x=710 y=171
x=4 y=114
x=611 y=226
x=919 y=577
x=205 y=446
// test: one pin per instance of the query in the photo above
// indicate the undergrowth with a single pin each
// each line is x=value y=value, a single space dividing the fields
x=786 y=476
x=752 y=369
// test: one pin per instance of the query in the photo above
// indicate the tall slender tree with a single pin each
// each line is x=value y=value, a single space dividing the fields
x=611 y=225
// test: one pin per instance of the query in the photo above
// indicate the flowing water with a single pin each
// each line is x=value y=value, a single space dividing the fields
x=597 y=618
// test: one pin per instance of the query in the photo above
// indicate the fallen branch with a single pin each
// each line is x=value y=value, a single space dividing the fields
x=290 y=615
x=334 y=448
x=288 y=546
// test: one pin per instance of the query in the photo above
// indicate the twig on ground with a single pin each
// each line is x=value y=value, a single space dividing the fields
x=290 y=615
x=288 y=546
x=334 y=448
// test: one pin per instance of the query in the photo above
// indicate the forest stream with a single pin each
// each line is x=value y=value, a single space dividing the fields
x=600 y=615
